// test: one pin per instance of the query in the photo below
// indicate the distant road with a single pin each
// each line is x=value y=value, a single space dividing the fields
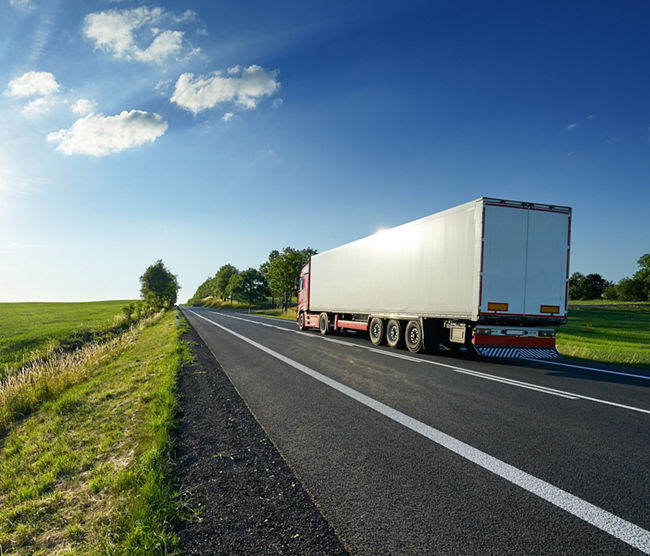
x=438 y=454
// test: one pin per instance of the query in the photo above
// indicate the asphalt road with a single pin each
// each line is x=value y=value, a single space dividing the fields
x=433 y=454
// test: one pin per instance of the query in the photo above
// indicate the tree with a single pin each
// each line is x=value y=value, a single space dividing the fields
x=234 y=287
x=253 y=287
x=575 y=285
x=159 y=287
x=636 y=288
x=591 y=286
x=281 y=270
x=642 y=277
x=222 y=279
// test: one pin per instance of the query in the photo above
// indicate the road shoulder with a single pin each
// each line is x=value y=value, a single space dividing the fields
x=243 y=495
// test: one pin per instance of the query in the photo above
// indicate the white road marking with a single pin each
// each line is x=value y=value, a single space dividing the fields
x=457 y=369
x=518 y=383
x=618 y=527
x=535 y=386
x=587 y=368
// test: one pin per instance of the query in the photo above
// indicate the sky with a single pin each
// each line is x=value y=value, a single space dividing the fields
x=206 y=133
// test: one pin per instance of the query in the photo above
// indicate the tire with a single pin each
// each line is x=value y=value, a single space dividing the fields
x=377 y=331
x=301 y=320
x=394 y=333
x=324 y=324
x=413 y=336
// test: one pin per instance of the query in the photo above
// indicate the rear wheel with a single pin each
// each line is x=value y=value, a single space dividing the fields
x=413 y=336
x=376 y=331
x=394 y=333
x=301 y=320
x=324 y=324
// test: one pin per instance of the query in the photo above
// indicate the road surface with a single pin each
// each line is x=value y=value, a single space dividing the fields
x=434 y=454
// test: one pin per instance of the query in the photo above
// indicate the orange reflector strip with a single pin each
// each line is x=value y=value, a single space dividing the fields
x=549 y=309
x=497 y=306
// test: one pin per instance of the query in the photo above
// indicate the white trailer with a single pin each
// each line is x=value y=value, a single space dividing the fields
x=492 y=274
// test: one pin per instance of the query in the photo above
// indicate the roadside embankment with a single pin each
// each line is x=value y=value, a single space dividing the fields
x=88 y=470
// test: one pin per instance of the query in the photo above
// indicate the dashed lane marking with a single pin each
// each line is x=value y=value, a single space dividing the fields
x=454 y=368
x=618 y=527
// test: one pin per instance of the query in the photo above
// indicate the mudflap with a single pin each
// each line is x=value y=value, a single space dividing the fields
x=516 y=352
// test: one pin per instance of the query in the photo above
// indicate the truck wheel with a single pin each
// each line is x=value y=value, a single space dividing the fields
x=413 y=336
x=301 y=320
x=394 y=333
x=324 y=324
x=376 y=331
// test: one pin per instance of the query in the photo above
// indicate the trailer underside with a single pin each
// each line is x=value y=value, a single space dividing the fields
x=503 y=338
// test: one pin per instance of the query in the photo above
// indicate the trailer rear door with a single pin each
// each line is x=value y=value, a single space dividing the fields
x=524 y=267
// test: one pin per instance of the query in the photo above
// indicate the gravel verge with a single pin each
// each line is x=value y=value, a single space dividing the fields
x=243 y=496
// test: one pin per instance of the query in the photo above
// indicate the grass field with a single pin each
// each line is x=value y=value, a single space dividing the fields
x=617 y=334
x=279 y=313
x=29 y=330
x=89 y=471
x=609 y=302
x=216 y=303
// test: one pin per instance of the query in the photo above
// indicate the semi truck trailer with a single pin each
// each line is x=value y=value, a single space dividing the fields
x=491 y=275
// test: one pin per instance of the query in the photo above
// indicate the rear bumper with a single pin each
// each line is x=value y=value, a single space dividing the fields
x=517 y=352
x=530 y=347
x=514 y=341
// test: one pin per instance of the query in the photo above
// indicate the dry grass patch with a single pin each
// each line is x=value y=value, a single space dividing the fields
x=89 y=470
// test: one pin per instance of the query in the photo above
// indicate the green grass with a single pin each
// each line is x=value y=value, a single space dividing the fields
x=613 y=302
x=279 y=313
x=216 y=303
x=30 y=330
x=89 y=472
x=619 y=335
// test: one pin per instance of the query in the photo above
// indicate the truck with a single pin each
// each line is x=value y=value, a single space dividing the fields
x=491 y=275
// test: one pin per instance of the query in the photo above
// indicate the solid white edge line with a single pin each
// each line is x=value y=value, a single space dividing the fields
x=615 y=526
x=587 y=368
x=457 y=369
x=510 y=382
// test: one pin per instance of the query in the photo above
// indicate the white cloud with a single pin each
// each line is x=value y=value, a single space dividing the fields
x=37 y=106
x=165 y=44
x=99 y=135
x=25 y=5
x=163 y=85
x=33 y=83
x=571 y=126
x=119 y=31
x=235 y=70
x=277 y=102
x=83 y=106
x=187 y=15
x=227 y=116
x=245 y=91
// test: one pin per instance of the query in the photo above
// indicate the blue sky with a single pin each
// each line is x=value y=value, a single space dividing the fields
x=208 y=133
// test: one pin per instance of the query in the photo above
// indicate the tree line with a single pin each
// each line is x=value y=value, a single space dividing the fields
x=275 y=278
x=594 y=286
